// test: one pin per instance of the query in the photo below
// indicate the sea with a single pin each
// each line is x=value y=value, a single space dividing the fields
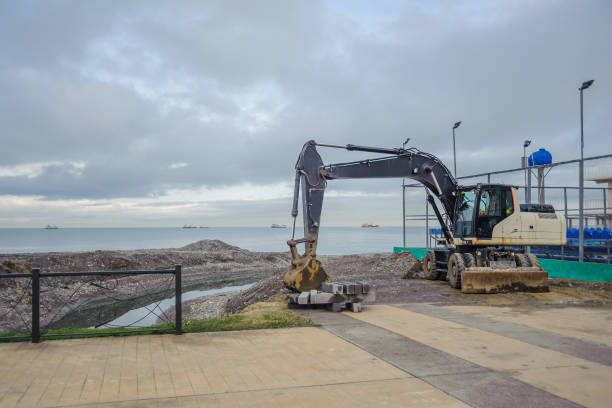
x=332 y=240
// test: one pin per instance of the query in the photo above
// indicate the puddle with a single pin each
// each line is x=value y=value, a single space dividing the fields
x=147 y=315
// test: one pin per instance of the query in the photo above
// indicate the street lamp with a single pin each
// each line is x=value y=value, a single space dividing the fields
x=585 y=85
x=404 y=200
x=526 y=144
x=455 y=126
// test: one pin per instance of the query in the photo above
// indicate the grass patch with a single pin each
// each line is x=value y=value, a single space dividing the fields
x=263 y=315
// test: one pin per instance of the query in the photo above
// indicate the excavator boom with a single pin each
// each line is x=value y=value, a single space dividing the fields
x=311 y=177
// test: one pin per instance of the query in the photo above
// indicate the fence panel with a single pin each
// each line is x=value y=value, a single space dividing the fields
x=67 y=304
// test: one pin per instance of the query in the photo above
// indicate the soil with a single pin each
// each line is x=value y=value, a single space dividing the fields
x=396 y=278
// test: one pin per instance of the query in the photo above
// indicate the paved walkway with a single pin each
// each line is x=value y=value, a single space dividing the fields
x=268 y=368
x=412 y=355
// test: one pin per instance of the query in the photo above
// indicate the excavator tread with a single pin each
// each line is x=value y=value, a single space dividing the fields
x=429 y=266
x=456 y=267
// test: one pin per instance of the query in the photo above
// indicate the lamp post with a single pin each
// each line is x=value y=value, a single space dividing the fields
x=404 y=201
x=585 y=85
x=526 y=144
x=455 y=126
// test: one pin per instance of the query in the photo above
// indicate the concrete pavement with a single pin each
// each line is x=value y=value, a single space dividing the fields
x=409 y=355
x=267 y=368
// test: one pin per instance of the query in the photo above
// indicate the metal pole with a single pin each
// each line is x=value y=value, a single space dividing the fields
x=404 y=202
x=564 y=212
x=525 y=164
x=404 y=212
x=528 y=199
x=605 y=206
x=541 y=192
x=35 y=305
x=581 y=187
x=426 y=222
x=528 y=192
x=178 y=298
x=454 y=153
x=605 y=223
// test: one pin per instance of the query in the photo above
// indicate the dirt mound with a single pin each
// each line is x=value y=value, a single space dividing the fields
x=211 y=245
x=15 y=267
x=265 y=289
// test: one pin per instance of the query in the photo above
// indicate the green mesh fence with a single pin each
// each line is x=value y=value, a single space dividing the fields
x=586 y=271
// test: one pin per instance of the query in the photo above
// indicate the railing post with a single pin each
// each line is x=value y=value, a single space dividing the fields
x=565 y=214
x=35 y=305
x=605 y=206
x=178 y=306
x=427 y=235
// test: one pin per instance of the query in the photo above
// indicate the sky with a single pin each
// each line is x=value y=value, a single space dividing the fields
x=154 y=114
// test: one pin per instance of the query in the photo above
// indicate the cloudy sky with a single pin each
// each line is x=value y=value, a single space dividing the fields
x=144 y=113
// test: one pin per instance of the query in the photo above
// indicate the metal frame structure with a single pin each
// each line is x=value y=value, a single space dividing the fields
x=527 y=188
x=36 y=275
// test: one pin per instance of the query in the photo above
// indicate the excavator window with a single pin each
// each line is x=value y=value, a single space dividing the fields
x=465 y=214
x=494 y=204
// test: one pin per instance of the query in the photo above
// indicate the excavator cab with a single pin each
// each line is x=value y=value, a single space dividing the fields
x=480 y=208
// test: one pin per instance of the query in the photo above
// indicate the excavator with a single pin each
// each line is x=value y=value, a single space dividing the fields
x=486 y=232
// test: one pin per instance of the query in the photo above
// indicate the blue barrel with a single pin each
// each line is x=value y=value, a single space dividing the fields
x=540 y=157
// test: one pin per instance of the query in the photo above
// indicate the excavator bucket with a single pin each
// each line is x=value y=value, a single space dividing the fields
x=305 y=277
x=526 y=276
x=490 y=280
x=306 y=272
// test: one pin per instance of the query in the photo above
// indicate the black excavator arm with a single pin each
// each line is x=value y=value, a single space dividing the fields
x=312 y=175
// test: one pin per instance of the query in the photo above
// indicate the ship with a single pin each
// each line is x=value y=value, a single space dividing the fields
x=278 y=226
x=370 y=225
x=189 y=226
x=51 y=227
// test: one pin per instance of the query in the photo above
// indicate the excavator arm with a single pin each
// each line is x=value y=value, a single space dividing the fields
x=311 y=178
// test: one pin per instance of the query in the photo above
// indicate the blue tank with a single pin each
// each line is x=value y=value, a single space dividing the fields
x=540 y=157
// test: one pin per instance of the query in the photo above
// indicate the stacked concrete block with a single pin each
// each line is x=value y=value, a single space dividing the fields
x=336 y=296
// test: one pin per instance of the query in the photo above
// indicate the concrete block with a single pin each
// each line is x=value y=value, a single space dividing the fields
x=303 y=298
x=355 y=307
x=365 y=287
x=322 y=298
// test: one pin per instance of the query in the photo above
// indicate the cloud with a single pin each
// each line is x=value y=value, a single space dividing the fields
x=33 y=170
x=216 y=98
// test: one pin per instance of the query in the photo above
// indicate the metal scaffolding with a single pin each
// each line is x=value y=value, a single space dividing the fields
x=572 y=215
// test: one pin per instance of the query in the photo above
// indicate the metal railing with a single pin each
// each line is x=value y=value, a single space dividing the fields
x=597 y=210
x=34 y=288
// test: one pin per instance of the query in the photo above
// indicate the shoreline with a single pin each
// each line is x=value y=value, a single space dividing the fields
x=210 y=264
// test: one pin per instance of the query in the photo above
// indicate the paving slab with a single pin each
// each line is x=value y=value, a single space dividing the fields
x=575 y=379
x=590 y=324
x=473 y=316
x=471 y=383
x=408 y=392
x=302 y=367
